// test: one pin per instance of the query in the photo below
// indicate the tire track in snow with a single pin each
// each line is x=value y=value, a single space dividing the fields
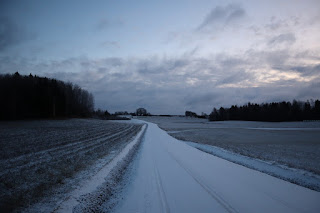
x=205 y=186
x=221 y=200
x=278 y=199
x=162 y=195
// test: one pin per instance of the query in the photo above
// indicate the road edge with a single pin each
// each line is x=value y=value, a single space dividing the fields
x=102 y=186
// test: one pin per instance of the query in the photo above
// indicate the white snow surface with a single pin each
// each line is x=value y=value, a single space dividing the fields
x=299 y=176
x=98 y=179
x=172 y=176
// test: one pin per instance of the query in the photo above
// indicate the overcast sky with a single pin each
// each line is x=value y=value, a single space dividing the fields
x=168 y=56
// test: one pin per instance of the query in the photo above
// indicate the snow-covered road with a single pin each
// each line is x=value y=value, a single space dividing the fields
x=174 y=177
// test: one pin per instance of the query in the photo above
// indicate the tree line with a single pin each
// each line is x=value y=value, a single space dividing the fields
x=195 y=115
x=274 y=112
x=25 y=97
x=119 y=115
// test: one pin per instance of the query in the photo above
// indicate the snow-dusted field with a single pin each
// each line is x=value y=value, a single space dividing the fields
x=41 y=161
x=83 y=165
x=293 y=145
x=171 y=176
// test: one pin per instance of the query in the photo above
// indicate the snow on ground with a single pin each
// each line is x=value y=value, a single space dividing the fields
x=172 y=176
x=298 y=176
x=42 y=161
x=81 y=199
x=167 y=175
x=288 y=129
x=291 y=144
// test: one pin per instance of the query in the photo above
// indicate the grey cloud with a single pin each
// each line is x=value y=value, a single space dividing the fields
x=307 y=92
x=307 y=70
x=237 y=77
x=287 y=38
x=173 y=85
x=272 y=58
x=278 y=58
x=303 y=70
x=222 y=16
x=114 y=61
x=154 y=65
x=236 y=14
x=276 y=23
x=11 y=34
x=230 y=61
x=204 y=98
x=149 y=66
x=176 y=95
x=255 y=29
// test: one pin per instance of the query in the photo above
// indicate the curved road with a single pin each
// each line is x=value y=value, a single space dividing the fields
x=174 y=177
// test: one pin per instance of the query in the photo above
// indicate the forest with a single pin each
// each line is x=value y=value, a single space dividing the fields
x=33 y=97
x=274 y=112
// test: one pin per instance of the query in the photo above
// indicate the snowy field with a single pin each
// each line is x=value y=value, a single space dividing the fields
x=288 y=145
x=41 y=161
x=170 y=176
x=84 y=165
